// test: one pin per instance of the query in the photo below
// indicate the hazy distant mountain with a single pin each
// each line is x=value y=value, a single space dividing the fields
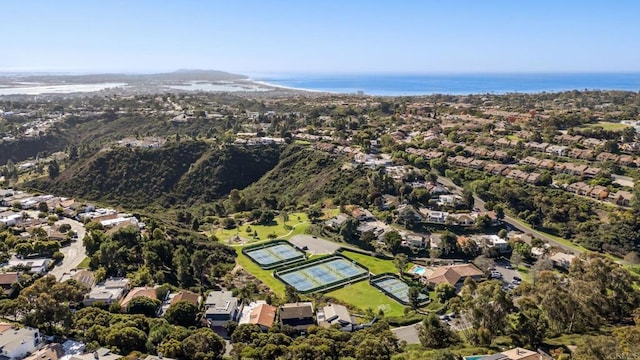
x=179 y=76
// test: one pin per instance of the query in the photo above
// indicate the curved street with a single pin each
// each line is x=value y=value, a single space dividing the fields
x=74 y=253
x=479 y=203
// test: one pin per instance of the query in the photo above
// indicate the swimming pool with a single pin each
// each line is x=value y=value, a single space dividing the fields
x=418 y=270
x=475 y=357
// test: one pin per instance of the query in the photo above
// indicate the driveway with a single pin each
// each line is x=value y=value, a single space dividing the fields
x=74 y=253
x=407 y=333
x=315 y=245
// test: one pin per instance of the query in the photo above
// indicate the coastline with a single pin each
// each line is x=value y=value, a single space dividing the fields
x=284 y=87
x=453 y=84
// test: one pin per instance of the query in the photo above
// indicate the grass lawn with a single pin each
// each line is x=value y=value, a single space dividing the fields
x=363 y=296
x=266 y=276
x=611 y=126
x=298 y=221
x=84 y=264
x=524 y=273
x=514 y=137
x=375 y=265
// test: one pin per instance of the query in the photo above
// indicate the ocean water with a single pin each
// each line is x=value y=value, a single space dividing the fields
x=456 y=84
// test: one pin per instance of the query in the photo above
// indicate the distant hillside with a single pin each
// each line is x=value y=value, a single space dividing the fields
x=23 y=149
x=176 y=76
x=185 y=172
x=305 y=175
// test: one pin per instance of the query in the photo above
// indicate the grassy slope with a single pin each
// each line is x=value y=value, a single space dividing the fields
x=363 y=296
x=375 y=265
x=266 y=276
x=299 y=222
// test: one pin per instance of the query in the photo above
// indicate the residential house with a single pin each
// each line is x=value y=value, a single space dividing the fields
x=11 y=219
x=415 y=241
x=372 y=227
x=157 y=357
x=84 y=277
x=435 y=240
x=220 y=307
x=530 y=160
x=599 y=192
x=49 y=352
x=533 y=178
x=587 y=155
x=183 y=295
x=574 y=169
x=576 y=187
x=518 y=175
x=362 y=214
x=567 y=139
x=36 y=266
x=626 y=160
x=145 y=291
x=592 y=171
x=562 y=260
x=516 y=354
x=499 y=155
x=118 y=221
x=335 y=314
x=7 y=281
x=263 y=315
x=557 y=150
x=17 y=343
x=559 y=167
x=435 y=189
x=477 y=164
x=108 y=292
x=452 y=274
x=621 y=198
x=389 y=201
x=408 y=214
x=546 y=164
x=499 y=169
x=100 y=354
x=438 y=217
x=605 y=156
x=593 y=143
x=574 y=153
x=493 y=241
x=462 y=219
x=298 y=315
x=337 y=221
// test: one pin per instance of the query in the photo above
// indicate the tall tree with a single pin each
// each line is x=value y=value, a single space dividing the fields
x=433 y=334
x=400 y=261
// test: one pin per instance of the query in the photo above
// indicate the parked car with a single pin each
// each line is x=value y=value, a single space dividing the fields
x=508 y=266
x=517 y=278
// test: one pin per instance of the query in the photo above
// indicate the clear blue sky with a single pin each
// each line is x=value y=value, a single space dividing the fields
x=328 y=36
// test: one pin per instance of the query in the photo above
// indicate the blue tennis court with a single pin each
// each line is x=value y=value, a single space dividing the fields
x=275 y=253
x=333 y=271
x=397 y=287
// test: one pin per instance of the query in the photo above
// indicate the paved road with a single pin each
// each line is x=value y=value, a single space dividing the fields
x=74 y=253
x=407 y=333
x=479 y=203
x=623 y=180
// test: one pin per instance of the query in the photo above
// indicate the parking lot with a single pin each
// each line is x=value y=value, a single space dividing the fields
x=315 y=245
x=508 y=274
